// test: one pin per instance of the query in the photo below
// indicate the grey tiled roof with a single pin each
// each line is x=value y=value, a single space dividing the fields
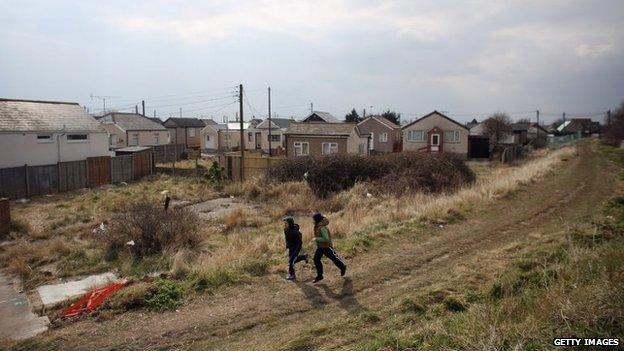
x=187 y=122
x=326 y=116
x=302 y=128
x=45 y=116
x=133 y=121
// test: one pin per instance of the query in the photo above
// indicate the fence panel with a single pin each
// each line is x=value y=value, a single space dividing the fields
x=254 y=166
x=13 y=182
x=167 y=152
x=121 y=168
x=141 y=164
x=43 y=180
x=72 y=175
x=99 y=170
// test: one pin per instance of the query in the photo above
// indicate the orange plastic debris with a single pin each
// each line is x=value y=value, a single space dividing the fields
x=92 y=300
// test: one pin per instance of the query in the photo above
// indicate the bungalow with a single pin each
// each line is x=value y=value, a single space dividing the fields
x=185 y=131
x=583 y=127
x=322 y=117
x=526 y=132
x=278 y=127
x=314 y=139
x=436 y=132
x=385 y=135
x=46 y=132
x=224 y=136
x=133 y=129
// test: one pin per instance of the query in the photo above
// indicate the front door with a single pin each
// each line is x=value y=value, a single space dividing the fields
x=435 y=139
x=258 y=141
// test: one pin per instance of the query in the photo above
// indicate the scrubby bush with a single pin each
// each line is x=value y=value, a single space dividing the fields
x=167 y=295
x=146 y=228
x=290 y=169
x=393 y=173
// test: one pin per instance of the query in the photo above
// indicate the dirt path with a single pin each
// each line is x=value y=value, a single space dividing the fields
x=269 y=312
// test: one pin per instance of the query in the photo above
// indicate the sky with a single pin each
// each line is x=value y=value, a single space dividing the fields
x=467 y=59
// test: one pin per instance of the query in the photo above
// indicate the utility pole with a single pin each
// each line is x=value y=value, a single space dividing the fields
x=564 y=117
x=136 y=109
x=270 y=141
x=609 y=117
x=311 y=108
x=180 y=112
x=538 y=125
x=242 y=134
x=364 y=114
x=143 y=105
x=154 y=113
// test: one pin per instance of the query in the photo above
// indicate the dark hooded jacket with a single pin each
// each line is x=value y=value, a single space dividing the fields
x=292 y=235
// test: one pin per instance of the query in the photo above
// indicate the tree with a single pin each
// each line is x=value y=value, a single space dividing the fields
x=614 y=131
x=497 y=127
x=352 y=117
x=392 y=116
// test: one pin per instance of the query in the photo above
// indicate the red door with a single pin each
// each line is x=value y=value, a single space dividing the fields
x=435 y=140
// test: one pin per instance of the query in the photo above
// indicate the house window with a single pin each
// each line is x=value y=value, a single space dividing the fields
x=371 y=144
x=135 y=139
x=330 y=148
x=112 y=140
x=451 y=136
x=383 y=137
x=207 y=137
x=77 y=138
x=302 y=148
x=44 y=138
x=156 y=139
x=226 y=137
x=249 y=137
x=361 y=149
x=276 y=137
x=416 y=135
x=191 y=132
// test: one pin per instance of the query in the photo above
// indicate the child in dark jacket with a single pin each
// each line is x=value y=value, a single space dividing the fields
x=292 y=235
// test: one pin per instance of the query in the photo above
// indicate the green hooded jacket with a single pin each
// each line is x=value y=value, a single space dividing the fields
x=321 y=234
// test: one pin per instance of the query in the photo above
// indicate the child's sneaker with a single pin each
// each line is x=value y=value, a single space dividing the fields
x=291 y=278
x=318 y=279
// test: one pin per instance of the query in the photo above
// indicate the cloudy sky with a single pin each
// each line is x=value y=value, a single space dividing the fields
x=468 y=58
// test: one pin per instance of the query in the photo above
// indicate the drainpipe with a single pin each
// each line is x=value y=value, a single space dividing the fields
x=58 y=144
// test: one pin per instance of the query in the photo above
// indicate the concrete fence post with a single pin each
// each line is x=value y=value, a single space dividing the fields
x=27 y=180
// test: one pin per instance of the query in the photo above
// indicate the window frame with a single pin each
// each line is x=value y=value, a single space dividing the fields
x=455 y=136
x=411 y=135
x=383 y=137
x=273 y=136
x=331 y=147
x=191 y=132
x=300 y=145
x=132 y=138
x=48 y=140
x=81 y=140
x=157 y=138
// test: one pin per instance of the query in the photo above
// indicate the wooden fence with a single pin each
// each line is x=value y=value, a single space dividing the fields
x=26 y=181
x=168 y=152
x=255 y=165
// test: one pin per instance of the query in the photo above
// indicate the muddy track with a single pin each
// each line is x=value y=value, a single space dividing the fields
x=263 y=314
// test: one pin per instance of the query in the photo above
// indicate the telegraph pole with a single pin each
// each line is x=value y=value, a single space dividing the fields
x=538 y=125
x=311 y=108
x=609 y=117
x=143 y=104
x=242 y=134
x=564 y=117
x=269 y=122
x=136 y=109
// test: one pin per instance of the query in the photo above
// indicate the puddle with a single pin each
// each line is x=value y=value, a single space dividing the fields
x=53 y=294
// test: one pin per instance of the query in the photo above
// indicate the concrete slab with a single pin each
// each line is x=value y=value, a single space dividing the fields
x=212 y=209
x=17 y=321
x=52 y=294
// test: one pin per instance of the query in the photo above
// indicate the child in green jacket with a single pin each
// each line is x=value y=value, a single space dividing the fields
x=322 y=237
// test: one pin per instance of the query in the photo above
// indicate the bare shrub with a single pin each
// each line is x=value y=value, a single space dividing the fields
x=151 y=229
x=290 y=169
x=392 y=173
